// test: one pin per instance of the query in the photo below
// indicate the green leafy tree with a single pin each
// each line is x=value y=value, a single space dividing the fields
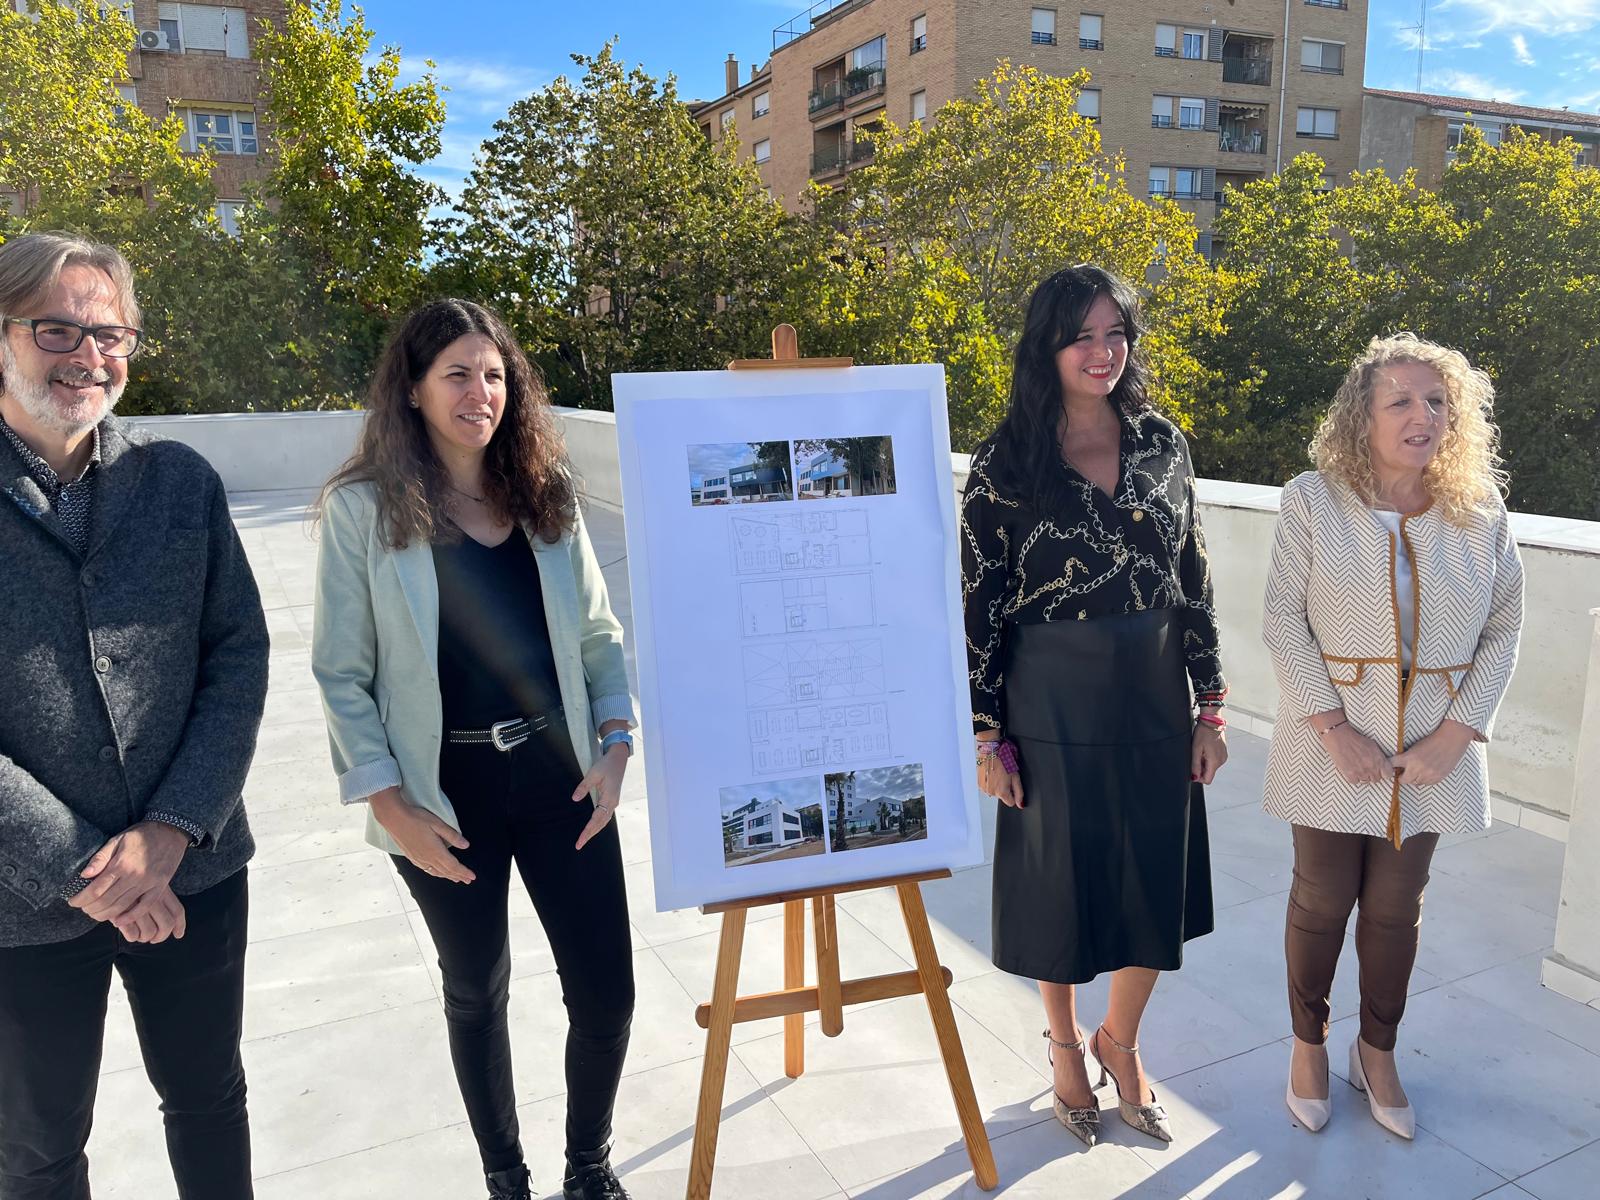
x=77 y=155
x=615 y=236
x=929 y=254
x=346 y=136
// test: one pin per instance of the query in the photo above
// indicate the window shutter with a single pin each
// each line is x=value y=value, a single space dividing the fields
x=237 y=32
x=1214 y=115
x=1208 y=182
x=1214 y=49
x=205 y=27
x=1202 y=244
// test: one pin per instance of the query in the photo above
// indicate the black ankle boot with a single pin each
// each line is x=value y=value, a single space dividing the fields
x=593 y=1181
x=512 y=1184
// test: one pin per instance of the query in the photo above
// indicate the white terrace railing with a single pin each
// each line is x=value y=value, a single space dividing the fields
x=1545 y=760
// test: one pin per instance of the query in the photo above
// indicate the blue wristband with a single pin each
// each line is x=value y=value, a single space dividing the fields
x=617 y=737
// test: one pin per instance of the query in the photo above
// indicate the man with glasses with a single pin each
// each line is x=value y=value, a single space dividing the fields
x=134 y=653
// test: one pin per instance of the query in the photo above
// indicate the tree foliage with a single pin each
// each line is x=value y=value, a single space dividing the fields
x=929 y=254
x=346 y=137
x=615 y=236
x=1502 y=262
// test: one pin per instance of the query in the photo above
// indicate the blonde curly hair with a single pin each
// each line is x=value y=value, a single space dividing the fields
x=1465 y=477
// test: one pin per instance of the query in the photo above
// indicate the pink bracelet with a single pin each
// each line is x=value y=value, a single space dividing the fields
x=1003 y=749
x=1214 y=722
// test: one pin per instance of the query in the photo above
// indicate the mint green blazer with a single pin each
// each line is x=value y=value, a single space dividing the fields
x=375 y=651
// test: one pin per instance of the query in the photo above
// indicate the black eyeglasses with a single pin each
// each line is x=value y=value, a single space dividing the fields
x=63 y=337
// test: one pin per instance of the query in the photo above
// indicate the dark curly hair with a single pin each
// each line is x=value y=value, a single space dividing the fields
x=526 y=475
x=1026 y=463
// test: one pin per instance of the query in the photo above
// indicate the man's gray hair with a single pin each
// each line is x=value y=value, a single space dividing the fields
x=31 y=265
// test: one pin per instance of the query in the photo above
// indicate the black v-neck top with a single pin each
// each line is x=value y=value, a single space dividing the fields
x=495 y=660
x=1097 y=555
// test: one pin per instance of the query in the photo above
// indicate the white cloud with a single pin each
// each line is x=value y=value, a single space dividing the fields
x=1519 y=47
x=1536 y=16
x=1451 y=82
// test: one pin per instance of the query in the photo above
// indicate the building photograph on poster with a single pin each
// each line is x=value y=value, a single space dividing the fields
x=772 y=821
x=843 y=468
x=740 y=473
x=879 y=806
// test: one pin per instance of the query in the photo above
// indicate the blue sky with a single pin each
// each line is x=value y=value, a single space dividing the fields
x=490 y=52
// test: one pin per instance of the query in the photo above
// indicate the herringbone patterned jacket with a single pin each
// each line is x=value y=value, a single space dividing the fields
x=1332 y=624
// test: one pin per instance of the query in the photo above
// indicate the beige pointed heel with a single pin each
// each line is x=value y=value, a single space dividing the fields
x=1312 y=1113
x=1150 y=1119
x=1082 y=1123
x=1402 y=1122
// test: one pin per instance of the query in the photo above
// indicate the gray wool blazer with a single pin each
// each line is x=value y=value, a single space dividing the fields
x=132 y=679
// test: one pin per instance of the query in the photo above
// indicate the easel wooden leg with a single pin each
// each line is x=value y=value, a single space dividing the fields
x=944 y=1028
x=829 y=991
x=713 y=1076
x=794 y=976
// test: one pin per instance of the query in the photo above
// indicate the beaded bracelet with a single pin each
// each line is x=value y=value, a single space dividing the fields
x=1003 y=749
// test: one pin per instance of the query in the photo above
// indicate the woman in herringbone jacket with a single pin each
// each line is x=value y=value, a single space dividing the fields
x=1393 y=611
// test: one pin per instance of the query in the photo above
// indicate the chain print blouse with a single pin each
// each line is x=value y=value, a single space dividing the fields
x=1097 y=556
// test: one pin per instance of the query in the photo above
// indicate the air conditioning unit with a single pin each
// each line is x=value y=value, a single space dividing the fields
x=154 y=39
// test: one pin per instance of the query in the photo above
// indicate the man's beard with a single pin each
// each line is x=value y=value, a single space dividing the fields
x=37 y=401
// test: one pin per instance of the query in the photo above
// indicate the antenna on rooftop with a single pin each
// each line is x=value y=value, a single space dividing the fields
x=1422 y=38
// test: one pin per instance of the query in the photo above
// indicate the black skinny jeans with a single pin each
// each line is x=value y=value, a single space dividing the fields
x=187 y=997
x=516 y=806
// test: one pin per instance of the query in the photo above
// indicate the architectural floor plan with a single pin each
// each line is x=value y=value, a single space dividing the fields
x=766 y=544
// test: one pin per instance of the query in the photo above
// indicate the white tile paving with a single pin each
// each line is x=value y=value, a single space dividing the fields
x=352 y=1095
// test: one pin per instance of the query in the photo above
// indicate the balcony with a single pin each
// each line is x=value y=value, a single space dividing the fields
x=826 y=98
x=1328 y=3
x=1243 y=129
x=829 y=160
x=1257 y=71
x=863 y=83
x=863 y=151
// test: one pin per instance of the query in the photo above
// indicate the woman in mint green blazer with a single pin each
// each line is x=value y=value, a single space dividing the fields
x=477 y=702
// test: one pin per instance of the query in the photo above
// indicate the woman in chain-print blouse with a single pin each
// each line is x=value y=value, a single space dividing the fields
x=1090 y=638
x=1141 y=549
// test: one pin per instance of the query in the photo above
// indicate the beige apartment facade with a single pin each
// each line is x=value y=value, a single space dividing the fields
x=201 y=61
x=1197 y=96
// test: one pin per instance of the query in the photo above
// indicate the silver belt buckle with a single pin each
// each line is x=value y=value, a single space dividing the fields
x=497 y=734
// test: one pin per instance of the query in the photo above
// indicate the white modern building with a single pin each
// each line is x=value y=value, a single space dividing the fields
x=824 y=475
x=763 y=823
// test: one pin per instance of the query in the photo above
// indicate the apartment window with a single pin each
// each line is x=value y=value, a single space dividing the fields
x=1191 y=113
x=761 y=104
x=228 y=216
x=727 y=119
x=1194 y=43
x=1326 y=182
x=919 y=106
x=868 y=56
x=206 y=29
x=1089 y=103
x=1044 y=27
x=1186 y=183
x=1160 y=181
x=222 y=132
x=1325 y=58
x=1161 y=112
x=763 y=150
x=919 y=34
x=1091 y=26
x=1166 y=41
x=1317 y=122
x=1328 y=3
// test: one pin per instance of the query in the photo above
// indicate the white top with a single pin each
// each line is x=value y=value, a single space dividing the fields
x=1405 y=586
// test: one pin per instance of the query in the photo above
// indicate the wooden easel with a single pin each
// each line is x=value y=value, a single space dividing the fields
x=830 y=995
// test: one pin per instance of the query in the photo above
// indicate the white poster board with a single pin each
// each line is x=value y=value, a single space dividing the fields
x=797 y=620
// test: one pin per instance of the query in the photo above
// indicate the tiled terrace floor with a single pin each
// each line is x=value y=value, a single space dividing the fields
x=352 y=1095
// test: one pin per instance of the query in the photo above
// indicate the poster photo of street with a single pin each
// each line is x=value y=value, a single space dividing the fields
x=772 y=821
x=740 y=473
x=843 y=468
x=880 y=806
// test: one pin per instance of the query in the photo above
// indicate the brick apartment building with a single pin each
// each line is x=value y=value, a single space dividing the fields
x=1196 y=95
x=1400 y=130
x=199 y=60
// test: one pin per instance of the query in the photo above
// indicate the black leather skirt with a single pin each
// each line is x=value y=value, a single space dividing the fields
x=1108 y=864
